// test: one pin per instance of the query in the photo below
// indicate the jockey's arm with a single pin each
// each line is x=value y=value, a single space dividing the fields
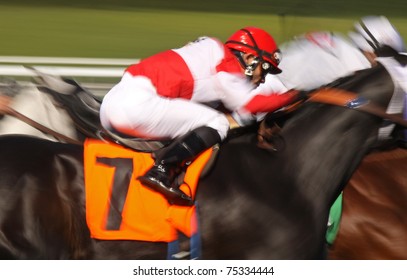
x=261 y=104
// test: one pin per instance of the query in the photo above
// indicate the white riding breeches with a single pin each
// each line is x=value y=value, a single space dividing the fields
x=134 y=107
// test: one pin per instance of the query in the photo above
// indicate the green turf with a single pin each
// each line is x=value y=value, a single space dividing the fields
x=134 y=32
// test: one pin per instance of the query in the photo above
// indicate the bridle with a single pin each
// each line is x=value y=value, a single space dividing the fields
x=344 y=98
x=331 y=96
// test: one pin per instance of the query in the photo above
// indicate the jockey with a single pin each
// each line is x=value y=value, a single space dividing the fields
x=375 y=36
x=166 y=96
x=381 y=43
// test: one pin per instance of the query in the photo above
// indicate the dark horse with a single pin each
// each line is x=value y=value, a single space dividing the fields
x=254 y=203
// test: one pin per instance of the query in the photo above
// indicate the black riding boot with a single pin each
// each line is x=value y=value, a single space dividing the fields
x=170 y=160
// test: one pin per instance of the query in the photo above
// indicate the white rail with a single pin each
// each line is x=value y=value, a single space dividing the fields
x=84 y=67
x=94 y=71
x=66 y=60
x=77 y=71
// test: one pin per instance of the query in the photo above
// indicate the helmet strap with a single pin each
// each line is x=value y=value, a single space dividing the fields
x=248 y=68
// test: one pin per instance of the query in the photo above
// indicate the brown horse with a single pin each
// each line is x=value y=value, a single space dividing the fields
x=374 y=221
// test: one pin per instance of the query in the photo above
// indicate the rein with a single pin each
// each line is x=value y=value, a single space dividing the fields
x=7 y=110
x=339 y=97
x=332 y=96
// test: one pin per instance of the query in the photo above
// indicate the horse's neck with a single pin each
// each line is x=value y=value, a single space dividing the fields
x=40 y=108
x=324 y=148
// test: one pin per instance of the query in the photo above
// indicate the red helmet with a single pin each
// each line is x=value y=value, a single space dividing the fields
x=258 y=42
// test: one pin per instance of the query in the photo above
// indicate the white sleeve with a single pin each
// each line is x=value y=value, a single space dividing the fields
x=238 y=92
x=234 y=90
x=272 y=84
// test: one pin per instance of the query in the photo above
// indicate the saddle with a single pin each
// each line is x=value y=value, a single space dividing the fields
x=84 y=107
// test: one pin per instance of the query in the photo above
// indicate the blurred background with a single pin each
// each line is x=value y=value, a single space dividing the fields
x=139 y=28
x=134 y=29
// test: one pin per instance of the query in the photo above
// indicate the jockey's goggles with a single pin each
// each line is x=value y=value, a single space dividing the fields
x=272 y=68
x=268 y=68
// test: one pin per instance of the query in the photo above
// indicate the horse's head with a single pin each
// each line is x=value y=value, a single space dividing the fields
x=372 y=85
x=371 y=91
x=331 y=132
x=380 y=93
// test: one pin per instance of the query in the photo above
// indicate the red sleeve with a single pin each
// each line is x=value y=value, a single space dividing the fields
x=229 y=63
x=269 y=103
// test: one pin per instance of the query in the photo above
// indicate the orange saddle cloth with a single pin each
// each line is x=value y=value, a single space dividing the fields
x=119 y=207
